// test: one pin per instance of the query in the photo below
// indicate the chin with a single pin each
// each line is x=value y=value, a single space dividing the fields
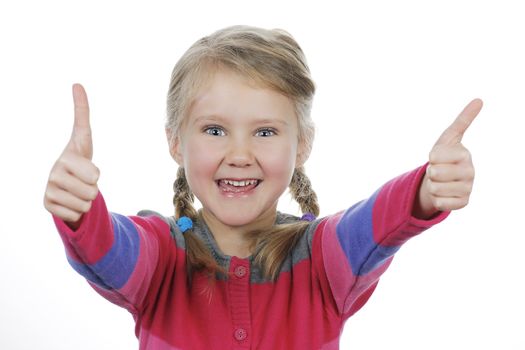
x=236 y=219
x=239 y=216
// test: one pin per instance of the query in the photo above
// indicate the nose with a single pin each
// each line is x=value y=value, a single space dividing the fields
x=240 y=153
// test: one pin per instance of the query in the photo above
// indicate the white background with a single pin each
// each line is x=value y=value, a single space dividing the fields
x=391 y=75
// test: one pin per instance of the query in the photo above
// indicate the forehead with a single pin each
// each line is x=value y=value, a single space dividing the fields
x=231 y=95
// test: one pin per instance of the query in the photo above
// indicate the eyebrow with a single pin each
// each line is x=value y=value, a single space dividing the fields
x=219 y=118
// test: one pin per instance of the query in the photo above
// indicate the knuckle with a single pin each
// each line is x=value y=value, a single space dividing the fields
x=465 y=154
x=437 y=204
x=50 y=196
x=81 y=109
x=431 y=171
x=437 y=172
x=432 y=188
x=464 y=173
x=432 y=156
x=93 y=192
x=86 y=206
x=461 y=203
x=73 y=217
x=55 y=177
x=458 y=206
x=64 y=160
x=96 y=174
x=47 y=205
x=471 y=173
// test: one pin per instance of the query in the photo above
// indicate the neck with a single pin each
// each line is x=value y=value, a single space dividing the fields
x=233 y=240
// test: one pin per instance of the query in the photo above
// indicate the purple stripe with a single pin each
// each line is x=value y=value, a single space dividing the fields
x=115 y=268
x=355 y=234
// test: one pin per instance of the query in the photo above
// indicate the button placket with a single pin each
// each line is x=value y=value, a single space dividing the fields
x=239 y=299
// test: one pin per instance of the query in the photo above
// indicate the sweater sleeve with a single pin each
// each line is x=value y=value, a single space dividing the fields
x=118 y=255
x=359 y=243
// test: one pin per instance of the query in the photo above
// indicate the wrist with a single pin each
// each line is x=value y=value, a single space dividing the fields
x=423 y=207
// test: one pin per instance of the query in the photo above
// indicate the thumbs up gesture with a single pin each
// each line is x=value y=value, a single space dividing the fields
x=72 y=183
x=450 y=174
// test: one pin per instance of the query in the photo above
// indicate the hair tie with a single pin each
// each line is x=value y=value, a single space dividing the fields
x=308 y=217
x=184 y=224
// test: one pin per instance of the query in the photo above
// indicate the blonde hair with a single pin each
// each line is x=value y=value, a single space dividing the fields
x=270 y=58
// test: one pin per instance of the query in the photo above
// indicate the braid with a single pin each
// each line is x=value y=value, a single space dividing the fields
x=183 y=197
x=198 y=257
x=303 y=193
x=275 y=245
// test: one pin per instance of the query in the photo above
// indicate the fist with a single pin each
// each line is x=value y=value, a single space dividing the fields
x=72 y=183
x=450 y=174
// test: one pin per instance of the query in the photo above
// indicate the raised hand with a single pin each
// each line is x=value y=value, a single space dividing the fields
x=450 y=174
x=72 y=183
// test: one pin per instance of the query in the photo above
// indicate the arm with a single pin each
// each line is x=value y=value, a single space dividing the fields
x=366 y=236
x=117 y=254
x=359 y=243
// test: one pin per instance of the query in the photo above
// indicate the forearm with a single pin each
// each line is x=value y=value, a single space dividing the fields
x=117 y=254
x=90 y=238
x=366 y=236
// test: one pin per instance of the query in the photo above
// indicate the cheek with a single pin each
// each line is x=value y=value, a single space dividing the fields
x=200 y=162
x=279 y=162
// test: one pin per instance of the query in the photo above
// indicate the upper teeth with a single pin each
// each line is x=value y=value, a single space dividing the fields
x=240 y=183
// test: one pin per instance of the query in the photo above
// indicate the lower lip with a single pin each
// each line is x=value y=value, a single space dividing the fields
x=237 y=194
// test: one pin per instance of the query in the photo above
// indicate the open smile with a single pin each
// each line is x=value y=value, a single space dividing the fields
x=237 y=185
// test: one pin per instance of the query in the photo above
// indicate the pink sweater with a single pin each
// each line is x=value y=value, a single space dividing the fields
x=138 y=262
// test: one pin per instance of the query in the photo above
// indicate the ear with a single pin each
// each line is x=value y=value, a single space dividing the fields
x=175 y=147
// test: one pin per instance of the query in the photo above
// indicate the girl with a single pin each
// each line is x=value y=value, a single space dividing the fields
x=237 y=274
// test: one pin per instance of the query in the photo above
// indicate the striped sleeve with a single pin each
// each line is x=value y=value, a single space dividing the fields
x=118 y=255
x=359 y=243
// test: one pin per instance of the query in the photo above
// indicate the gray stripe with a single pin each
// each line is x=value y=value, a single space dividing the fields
x=302 y=250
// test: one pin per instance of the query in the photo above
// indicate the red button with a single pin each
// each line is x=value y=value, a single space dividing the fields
x=240 y=334
x=240 y=271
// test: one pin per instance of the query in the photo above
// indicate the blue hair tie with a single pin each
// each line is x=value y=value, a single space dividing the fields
x=184 y=224
x=308 y=217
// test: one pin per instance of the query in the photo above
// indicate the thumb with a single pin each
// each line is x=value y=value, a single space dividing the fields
x=81 y=140
x=454 y=133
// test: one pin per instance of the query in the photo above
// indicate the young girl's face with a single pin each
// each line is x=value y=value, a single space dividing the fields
x=239 y=147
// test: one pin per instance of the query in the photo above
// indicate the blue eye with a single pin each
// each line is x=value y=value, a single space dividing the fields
x=214 y=131
x=265 y=132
